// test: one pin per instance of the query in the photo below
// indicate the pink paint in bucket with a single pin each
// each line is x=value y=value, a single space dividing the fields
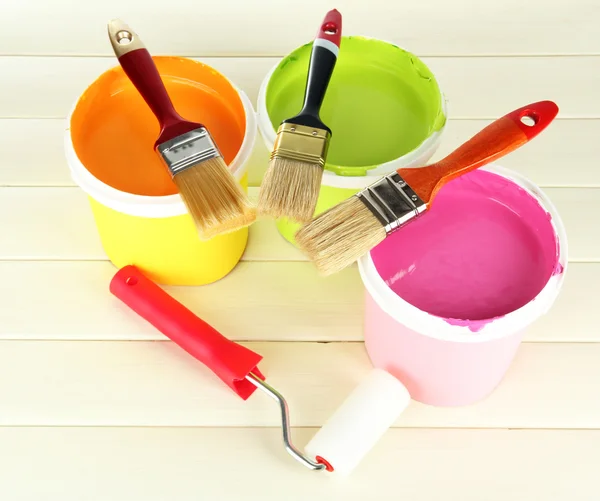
x=450 y=295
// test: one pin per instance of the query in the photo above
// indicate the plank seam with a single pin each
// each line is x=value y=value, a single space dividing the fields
x=241 y=55
x=251 y=341
x=201 y=427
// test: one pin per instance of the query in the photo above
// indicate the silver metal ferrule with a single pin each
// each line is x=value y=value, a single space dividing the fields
x=392 y=201
x=188 y=149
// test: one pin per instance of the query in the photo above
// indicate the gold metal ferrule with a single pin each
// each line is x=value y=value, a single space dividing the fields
x=298 y=142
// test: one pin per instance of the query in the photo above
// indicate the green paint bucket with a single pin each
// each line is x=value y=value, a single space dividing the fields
x=383 y=105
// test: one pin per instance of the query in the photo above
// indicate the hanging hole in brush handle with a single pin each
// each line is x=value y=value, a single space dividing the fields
x=124 y=37
x=322 y=62
x=330 y=29
x=534 y=118
x=230 y=361
x=138 y=65
x=529 y=120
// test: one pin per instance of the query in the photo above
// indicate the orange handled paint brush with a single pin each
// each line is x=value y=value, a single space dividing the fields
x=209 y=190
x=341 y=235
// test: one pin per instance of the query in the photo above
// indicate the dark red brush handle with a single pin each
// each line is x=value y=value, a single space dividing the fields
x=496 y=140
x=141 y=70
x=230 y=361
x=138 y=65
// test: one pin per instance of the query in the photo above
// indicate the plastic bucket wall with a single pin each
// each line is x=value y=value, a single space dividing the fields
x=384 y=106
x=139 y=214
x=447 y=320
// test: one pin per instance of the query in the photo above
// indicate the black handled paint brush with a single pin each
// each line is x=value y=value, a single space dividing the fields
x=291 y=185
x=341 y=235
x=213 y=197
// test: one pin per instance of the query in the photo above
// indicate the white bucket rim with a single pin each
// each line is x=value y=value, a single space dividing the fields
x=435 y=327
x=152 y=206
x=414 y=158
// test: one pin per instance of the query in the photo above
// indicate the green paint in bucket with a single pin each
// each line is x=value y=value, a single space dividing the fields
x=384 y=107
x=382 y=102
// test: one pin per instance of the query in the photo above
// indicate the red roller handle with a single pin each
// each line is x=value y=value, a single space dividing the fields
x=230 y=361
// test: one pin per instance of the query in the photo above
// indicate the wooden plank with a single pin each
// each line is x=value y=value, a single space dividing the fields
x=157 y=384
x=491 y=87
x=476 y=87
x=162 y=464
x=562 y=156
x=43 y=87
x=64 y=228
x=273 y=301
x=67 y=230
x=547 y=161
x=42 y=165
x=45 y=164
x=290 y=303
x=269 y=27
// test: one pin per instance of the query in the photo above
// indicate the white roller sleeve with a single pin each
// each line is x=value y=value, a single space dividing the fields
x=360 y=422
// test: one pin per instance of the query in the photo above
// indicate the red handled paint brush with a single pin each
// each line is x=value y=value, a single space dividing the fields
x=291 y=185
x=341 y=235
x=209 y=190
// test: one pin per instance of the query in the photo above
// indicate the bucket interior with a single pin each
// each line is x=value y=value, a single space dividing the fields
x=382 y=102
x=484 y=249
x=113 y=130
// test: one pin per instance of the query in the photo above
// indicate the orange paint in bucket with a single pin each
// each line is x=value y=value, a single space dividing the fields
x=139 y=214
x=114 y=130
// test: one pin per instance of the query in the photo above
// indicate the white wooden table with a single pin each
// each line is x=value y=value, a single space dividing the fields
x=96 y=405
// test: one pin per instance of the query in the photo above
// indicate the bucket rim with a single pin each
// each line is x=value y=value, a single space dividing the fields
x=432 y=326
x=144 y=205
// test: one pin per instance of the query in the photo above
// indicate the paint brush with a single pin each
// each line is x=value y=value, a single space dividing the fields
x=213 y=197
x=341 y=235
x=291 y=185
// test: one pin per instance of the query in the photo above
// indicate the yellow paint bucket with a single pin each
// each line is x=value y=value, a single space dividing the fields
x=140 y=217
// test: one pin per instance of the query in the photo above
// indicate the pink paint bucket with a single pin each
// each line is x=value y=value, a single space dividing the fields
x=449 y=296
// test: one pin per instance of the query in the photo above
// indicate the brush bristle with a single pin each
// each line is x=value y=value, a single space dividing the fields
x=340 y=236
x=214 y=198
x=290 y=189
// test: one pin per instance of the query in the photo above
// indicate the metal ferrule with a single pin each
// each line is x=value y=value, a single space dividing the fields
x=392 y=201
x=298 y=142
x=188 y=149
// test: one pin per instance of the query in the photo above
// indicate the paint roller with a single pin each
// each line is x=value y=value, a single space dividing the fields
x=338 y=446
x=358 y=424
